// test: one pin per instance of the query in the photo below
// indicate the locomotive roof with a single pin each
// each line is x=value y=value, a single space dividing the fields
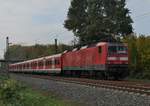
x=94 y=45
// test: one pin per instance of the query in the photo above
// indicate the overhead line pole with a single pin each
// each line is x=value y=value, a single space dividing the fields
x=7 y=56
x=56 y=47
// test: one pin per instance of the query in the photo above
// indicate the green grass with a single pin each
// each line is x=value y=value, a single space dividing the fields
x=38 y=98
x=14 y=93
x=138 y=80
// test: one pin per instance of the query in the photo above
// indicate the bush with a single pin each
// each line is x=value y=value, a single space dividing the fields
x=13 y=93
x=10 y=91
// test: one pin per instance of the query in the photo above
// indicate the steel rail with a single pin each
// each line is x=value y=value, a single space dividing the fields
x=131 y=87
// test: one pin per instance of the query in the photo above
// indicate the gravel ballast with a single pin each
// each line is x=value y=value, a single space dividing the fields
x=90 y=96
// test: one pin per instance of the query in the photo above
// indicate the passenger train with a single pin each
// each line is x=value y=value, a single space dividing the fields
x=103 y=60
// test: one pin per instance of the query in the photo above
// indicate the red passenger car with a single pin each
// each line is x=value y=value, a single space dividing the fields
x=48 y=64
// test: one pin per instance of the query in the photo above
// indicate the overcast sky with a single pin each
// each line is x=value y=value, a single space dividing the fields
x=40 y=21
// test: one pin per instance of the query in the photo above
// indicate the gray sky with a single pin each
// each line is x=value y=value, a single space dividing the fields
x=40 y=21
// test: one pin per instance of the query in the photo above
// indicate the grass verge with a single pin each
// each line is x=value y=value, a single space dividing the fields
x=14 y=93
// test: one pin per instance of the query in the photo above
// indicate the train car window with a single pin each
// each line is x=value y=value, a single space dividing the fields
x=20 y=66
x=57 y=61
x=46 y=63
x=100 y=49
x=41 y=63
x=35 y=64
x=32 y=64
x=49 y=62
x=24 y=66
x=27 y=65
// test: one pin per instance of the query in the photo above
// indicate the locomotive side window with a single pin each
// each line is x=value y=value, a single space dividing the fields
x=100 y=49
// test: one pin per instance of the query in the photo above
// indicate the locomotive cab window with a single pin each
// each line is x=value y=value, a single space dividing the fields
x=100 y=49
x=117 y=49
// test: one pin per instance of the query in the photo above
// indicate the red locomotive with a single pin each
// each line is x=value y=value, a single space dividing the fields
x=105 y=60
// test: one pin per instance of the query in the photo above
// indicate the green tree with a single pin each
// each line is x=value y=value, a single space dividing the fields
x=76 y=21
x=94 y=20
x=18 y=52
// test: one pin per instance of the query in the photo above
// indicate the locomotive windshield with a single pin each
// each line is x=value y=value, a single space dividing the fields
x=117 y=50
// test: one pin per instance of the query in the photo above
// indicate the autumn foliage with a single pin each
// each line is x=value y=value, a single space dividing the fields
x=139 y=54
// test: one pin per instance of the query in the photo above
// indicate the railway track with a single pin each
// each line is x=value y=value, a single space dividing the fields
x=131 y=87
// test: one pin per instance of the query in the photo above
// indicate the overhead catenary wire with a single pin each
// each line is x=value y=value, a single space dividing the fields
x=141 y=16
